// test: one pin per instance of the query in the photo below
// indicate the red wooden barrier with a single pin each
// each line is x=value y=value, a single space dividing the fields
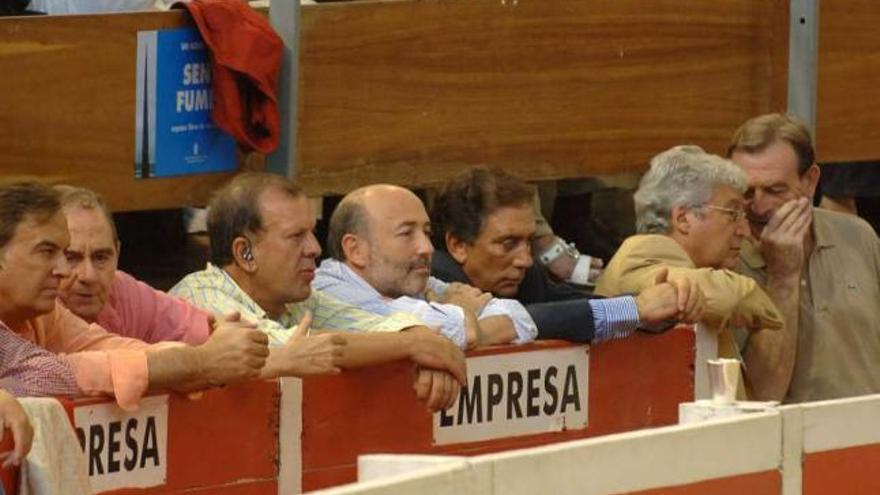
x=633 y=383
x=8 y=476
x=765 y=483
x=225 y=443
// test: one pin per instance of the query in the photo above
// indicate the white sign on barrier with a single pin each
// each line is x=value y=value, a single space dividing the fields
x=518 y=394
x=124 y=450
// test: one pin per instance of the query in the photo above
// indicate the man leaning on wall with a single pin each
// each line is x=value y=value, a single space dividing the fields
x=33 y=237
x=821 y=268
x=483 y=223
x=690 y=220
x=380 y=246
x=263 y=260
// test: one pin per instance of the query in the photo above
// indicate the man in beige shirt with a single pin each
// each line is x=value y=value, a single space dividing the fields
x=691 y=221
x=821 y=268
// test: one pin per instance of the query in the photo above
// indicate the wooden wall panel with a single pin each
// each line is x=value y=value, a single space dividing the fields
x=848 y=101
x=67 y=96
x=410 y=92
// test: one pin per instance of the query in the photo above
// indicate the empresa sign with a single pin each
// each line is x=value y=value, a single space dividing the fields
x=518 y=394
x=124 y=449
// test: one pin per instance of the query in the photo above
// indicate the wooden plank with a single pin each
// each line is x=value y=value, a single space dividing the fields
x=67 y=107
x=410 y=92
x=848 y=100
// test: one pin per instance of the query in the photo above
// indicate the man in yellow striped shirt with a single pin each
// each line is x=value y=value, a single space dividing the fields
x=263 y=257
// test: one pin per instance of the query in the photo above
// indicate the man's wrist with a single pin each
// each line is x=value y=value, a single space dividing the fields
x=198 y=358
x=557 y=249
x=784 y=286
x=411 y=337
x=471 y=322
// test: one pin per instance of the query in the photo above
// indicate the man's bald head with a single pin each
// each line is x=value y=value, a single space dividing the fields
x=354 y=213
x=382 y=232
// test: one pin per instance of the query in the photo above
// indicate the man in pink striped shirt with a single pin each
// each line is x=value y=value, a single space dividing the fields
x=98 y=292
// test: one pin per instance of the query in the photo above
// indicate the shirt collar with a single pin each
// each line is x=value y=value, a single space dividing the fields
x=225 y=280
x=343 y=273
x=448 y=263
x=751 y=253
x=822 y=231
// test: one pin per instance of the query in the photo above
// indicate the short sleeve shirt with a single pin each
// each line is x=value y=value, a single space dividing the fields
x=838 y=344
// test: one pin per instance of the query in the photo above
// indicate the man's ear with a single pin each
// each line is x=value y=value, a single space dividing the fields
x=680 y=220
x=355 y=250
x=457 y=248
x=243 y=255
x=810 y=180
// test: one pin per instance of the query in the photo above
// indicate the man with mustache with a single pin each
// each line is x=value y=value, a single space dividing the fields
x=263 y=254
x=380 y=248
x=821 y=268
x=483 y=225
x=690 y=220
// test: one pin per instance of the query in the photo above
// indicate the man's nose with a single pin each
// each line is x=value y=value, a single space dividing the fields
x=425 y=247
x=523 y=257
x=742 y=227
x=760 y=204
x=61 y=267
x=86 y=271
x=312 y=248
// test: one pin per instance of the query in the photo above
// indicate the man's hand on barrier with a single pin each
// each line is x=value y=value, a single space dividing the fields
x=12 y=416
x=429 y=349
x=676 y=300
x=473 y=331
x=691 y=301
x=465 y=296
x=236 y=351
x=306 y=354
x=438 y=389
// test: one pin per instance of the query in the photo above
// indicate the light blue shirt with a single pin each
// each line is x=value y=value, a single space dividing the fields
x=337 y=279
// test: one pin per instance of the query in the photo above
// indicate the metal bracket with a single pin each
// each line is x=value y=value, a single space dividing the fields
x=284 y=17
x=803 y=58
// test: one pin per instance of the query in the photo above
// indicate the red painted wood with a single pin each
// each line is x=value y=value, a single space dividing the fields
x=763 y=483
x=852 y=471
x=266 y=487
x=634 y=383
x=226 y=436
x=8 y=476
x=250 y=487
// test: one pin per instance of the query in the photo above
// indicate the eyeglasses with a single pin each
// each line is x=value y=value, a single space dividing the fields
x=736 y=214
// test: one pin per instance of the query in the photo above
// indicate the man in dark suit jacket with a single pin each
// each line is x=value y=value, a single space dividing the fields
x=483 y=223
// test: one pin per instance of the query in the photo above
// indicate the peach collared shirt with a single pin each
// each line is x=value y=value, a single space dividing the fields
x=103 y=363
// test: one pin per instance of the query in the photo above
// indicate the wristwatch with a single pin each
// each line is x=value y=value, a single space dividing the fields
x=556 y=249
x=583 y=272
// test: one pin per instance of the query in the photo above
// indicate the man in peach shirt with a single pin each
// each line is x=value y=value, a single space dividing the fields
x=33 y=237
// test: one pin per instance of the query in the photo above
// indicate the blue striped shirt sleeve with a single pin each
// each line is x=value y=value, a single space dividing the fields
x=614 y=318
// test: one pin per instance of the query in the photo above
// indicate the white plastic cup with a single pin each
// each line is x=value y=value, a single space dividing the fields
x=723 y=379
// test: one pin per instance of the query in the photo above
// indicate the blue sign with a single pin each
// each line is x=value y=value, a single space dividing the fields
x=174 y=132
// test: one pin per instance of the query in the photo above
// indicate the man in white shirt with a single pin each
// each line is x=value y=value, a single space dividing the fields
x=380 y=247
